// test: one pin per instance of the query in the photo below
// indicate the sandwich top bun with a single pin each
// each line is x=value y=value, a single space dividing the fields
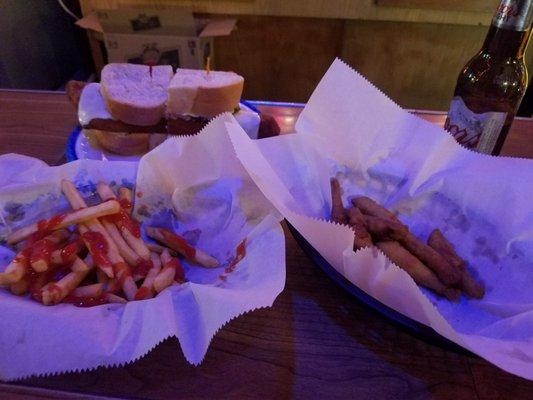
x=198 y=93
x=133 y=95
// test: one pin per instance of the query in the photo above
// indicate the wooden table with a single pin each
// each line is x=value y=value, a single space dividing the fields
x=315 y=342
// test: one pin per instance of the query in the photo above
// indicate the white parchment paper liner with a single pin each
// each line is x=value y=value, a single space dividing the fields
x=350 y=130
x=219 y=205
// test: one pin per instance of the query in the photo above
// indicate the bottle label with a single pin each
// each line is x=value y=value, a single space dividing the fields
x=478 y=132
x=514 y=14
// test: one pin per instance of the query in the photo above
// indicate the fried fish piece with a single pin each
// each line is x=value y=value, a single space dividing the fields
x=356 y=219
x=468 y=284
x=420 y=273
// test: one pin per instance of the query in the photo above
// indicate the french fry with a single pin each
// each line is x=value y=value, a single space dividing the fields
x=92 y=229
x=36 y=284
x=101 y=277
x=157 y=248
x=54 y=292
x=94 y=290
x=146 y=290
x=41 y=250
x=123 y=248
x=170 y=267
x=63 y=220
x=68 y=253
x=370 y=207
x=16 y=268
x=446 y=273
x=124 y=223
x=421 y=274
x=338 y=214
x=20 y=287
x=357 y=221
x=113 y=298
x=468 y=284
x=112 y=286
x=176 y=242
x=123 y=275
x=109 y=258
x=98 y=243
x=125 y=199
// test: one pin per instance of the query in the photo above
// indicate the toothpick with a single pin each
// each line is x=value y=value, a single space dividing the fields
x=208 y=65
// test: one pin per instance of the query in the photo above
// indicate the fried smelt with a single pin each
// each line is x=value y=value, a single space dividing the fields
x=338 y=214
x=421 y=274
x=468 y=284
x=446 y=273
x=357 y=221
x=370 y=207
x=384 y=228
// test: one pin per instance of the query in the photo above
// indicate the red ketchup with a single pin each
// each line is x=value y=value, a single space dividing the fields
x=85 y=301
x=143 y=266
x=179 y=274
x=240 y=253
x=42 y=250
x=143 y=293
x=47 y=225
x=179 y=244
x=125 y=203
x=123 y=220
x=97 y=246
x=69 y=252
x=122 y=272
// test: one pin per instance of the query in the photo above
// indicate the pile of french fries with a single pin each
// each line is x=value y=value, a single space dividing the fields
x=96 y=255
x=434 y=265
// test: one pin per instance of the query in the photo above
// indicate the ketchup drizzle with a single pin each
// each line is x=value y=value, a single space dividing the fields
x=97 y=245
x=46 y=225
x=179 y=244
x=240 y=254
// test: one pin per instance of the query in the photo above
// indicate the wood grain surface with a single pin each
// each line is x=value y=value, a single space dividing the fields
x=315 y=342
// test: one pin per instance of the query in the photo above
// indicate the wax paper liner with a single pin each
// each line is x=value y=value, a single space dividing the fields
x=350 y=130
x=217 y=206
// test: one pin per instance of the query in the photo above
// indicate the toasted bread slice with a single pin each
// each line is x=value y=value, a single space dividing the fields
x=201 y=94
x=133 y=95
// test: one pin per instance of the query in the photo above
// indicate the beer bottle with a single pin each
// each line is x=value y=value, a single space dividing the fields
x=491 y=85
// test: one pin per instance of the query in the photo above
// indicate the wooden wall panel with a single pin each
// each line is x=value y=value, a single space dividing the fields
x=345 y=9
x=281 y=58
x=415 y=64
x=487 y=6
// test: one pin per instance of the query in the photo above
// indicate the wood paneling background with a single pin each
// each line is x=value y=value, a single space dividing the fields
x=345 y=9
x=283 y=57
x=458 y=5
x=414 y=64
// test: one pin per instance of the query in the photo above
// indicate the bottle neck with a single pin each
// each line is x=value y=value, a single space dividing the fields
x=505 y=43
